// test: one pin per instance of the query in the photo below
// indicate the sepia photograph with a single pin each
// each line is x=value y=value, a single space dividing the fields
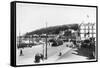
x=55 y=34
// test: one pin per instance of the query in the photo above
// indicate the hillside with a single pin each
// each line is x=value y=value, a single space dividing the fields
x=54 y=29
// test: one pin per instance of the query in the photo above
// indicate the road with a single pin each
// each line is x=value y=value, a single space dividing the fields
x=52 y=54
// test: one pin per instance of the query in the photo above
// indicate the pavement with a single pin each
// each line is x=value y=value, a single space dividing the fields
x=52 y=55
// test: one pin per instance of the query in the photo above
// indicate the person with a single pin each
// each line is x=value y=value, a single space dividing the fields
x=60 y=54
x=37 y=58
x=21 y=53
x=41 y=56
x=92 y=50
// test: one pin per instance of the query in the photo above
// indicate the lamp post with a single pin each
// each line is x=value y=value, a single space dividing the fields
x=46 y=43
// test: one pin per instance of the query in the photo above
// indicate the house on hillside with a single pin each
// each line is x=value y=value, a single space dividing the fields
x=68 y=34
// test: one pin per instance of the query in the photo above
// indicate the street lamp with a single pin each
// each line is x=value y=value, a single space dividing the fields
x=46 y=43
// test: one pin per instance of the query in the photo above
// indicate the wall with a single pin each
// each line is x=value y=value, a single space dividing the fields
x=5 y=34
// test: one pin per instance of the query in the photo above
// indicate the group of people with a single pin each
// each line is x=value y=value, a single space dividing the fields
x=38 y=57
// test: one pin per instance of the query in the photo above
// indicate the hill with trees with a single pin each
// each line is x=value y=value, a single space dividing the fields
x=54 y=29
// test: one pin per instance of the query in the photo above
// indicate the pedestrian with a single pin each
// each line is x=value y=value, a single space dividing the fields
x=42 y=57
x=60 y=54
x=37 y=58
x=21 y=52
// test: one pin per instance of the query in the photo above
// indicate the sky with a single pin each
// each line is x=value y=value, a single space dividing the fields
x=35 y=16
